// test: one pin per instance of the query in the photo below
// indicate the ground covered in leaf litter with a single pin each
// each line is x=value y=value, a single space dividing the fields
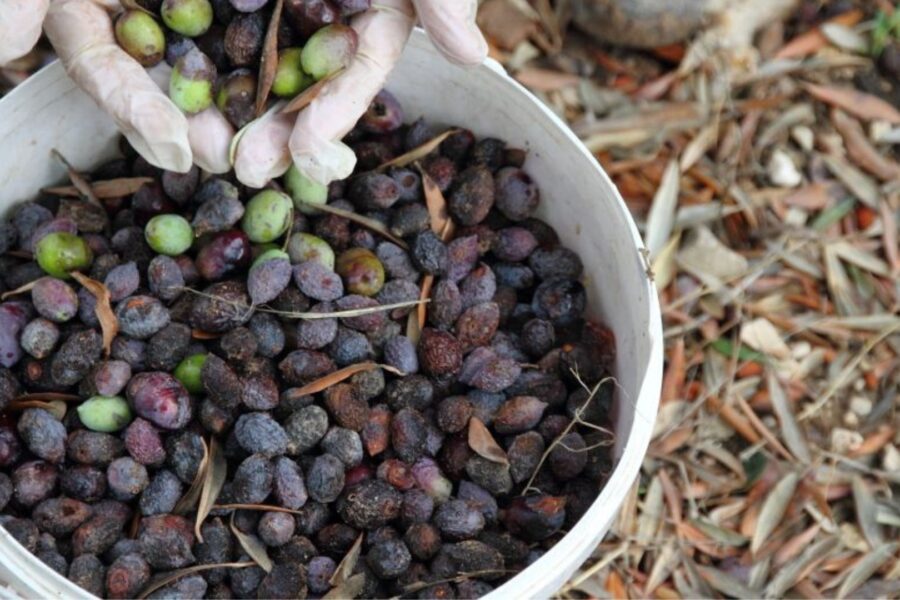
x=768 y=193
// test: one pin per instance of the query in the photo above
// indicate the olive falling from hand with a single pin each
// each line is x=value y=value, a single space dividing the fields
x=215 y=391
x=216 y=47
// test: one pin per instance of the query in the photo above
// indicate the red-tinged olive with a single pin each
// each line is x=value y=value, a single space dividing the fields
x=226 y=252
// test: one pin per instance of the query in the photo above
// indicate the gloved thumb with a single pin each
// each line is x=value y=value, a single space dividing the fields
x=82 y=34
x=20 y=27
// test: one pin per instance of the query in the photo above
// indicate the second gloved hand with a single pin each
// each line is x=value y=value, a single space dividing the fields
x=81 y=31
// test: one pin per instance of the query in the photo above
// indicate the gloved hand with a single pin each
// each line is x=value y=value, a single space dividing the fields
x=82 y=34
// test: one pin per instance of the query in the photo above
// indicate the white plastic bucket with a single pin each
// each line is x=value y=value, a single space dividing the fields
x=578 y=199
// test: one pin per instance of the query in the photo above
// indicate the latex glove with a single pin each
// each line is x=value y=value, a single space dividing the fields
x=312 y=140
x=81 y=32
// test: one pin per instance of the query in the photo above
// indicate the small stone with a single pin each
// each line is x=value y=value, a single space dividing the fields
x=844 y=440
x=860 y=405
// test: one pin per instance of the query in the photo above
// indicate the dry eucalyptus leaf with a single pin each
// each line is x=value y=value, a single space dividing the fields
x=190 y=498
x=113 y=188
x=176 y=575
x=269 y=61
x=436 y=203
x=773 y=509
x=348 y=564
x=376 y=226
x=861 y=104
x=254 y=548
x=78 y=180
x=484 y=444
x=213 y=480
x=255 y=507
x=323 y=383
x=109 y=324
x=351 y=588
x=419 y=152
x=57 y=408
x=306 y=97
x=19 y=290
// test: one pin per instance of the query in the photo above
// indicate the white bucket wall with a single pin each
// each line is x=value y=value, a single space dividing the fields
x=577 y=198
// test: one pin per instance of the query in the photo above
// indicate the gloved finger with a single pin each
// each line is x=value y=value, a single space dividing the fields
x=20 y=27
x=209 y=132
x=210 y=135
x=81 y=32
x=315 y=142
x=262 y=150
x=452 y=29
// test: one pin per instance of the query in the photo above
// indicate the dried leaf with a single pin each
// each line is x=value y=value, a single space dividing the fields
x=787 y=576
x=419 y=152
x=176 y=575
x=109 y=324
x=255 y=507
x=213 y=480
x=698 y=146
x=864 y=106
x=436 y=203
x=865 y=260
x=113 y=188
x=190 y=498
x=773 y=510
x=861 y=151
x=855 y=180
x=845 y=38
x=662 y=567
x=484 y=444
x=721 y=535
x=341 y=314
x=78 y=180
x=348 y=589
x=790 y=429
x=413 y=330
x=48 y=397
x=662 y=211
x=763 y=337
x=254 y=548
x=507 y=24
x=546 y=80
x=376 y=226
x=867 y=512
x=197 y=334
x=866 y=567
x=421 y=312
x=725 y=583
x=651 y=517
x=306 y=97
x=323 y=383
x=19 y=290
x=57 y=408
x=269 y=61
x=345 y=569
x=711 y=261
x=813 y=40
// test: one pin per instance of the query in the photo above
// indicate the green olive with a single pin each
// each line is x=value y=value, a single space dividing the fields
x=305 y=191
x=141 y=36
x=191 y=84
x=361 y=271
x=267 y=217
x=58 y=253
x=306 y=246
x=187 y=17
x=329 y=50
x=105 y=413
x=169 y=234
x=290 y=79
x=188 y=372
